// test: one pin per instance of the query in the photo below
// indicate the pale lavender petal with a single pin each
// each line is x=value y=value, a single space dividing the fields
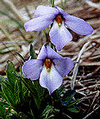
x=78 y=25
x=39 y=23
x=60 y=36
x=51 y=53
x=50 y=80
x=32 y=68
x=45 y=10
x=63 y=66
x=43 y=53
x=62 y=12
x=48 y=52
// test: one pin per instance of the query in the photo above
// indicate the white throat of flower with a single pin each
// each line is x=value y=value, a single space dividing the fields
x=58 y=25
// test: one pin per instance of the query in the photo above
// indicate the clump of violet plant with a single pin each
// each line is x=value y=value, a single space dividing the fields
x=37 y=92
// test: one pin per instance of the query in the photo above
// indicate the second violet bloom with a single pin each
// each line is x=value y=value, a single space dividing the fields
x=49 y=68
x=59 y=34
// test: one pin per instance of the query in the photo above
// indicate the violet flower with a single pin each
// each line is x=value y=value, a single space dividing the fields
x=59 y=35
x=49 y=68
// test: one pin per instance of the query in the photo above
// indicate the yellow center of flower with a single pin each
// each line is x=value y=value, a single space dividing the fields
x=48 y=64
x=59 y=20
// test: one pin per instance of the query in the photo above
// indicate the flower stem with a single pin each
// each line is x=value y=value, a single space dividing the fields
x=52 y=2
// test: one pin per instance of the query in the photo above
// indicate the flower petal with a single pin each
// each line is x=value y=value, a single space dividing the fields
x=62 y=12
x=32 y=68
x=39 y=23
x=50 y=80
x=48 y=52
x=63 y=66
x=45 y=10
x=52 y=54
x=78 y=25
x=60 y=36
x=43 y=53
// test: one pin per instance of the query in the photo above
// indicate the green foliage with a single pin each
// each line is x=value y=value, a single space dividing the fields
x=21 y=98
x=74 y=109
x=10 y=74
x=52 y=2
x=36 y=91
x=13 y=90
x=48 y=112
x=2 y=112
x=62 y=102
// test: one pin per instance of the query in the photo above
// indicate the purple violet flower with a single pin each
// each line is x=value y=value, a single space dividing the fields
x=59 y=34
x=49 y=68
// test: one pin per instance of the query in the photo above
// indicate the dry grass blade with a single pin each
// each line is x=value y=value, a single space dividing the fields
x=10 y=4
x=91 y=112
x=75 y=71
x=92 y=4
x=9 y=37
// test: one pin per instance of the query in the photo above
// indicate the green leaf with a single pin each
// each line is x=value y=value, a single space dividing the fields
x=73 y=102
x=75 y=109
x=10 y=73
x=52 y=2
x=32 y=52
x=36 y=90
x=2 y=112
x=20 y=87
x=40 y=92
x=47 y=112
x=1 y=94
x=66 y=115
x=57 y=94
x=69 y=94
x=68 y=97
x=2 y=79
x=17 y=91
x=8 y=94
x=4 y=104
